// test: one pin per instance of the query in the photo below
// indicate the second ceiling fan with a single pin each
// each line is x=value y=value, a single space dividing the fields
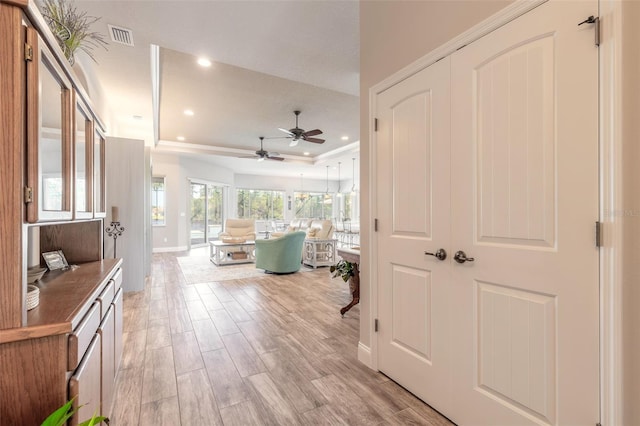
x=262 y=155
x=297 y=134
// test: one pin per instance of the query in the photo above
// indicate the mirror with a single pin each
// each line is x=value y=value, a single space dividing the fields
x=51 y=146
x=83 y=163
x=98 y=173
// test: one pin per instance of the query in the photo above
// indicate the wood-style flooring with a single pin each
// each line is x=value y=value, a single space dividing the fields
x=271 y=350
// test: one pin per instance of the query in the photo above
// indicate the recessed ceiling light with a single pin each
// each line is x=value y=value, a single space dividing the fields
x=137 y=117
x=180 y=138
x=306 y=153
x=188 y=112
x=345 y=138
x=204 y=62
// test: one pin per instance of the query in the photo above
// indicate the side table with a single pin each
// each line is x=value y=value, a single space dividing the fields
x=317 y=252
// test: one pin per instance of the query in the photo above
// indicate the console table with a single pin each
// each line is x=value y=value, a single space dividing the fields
x=353 y=256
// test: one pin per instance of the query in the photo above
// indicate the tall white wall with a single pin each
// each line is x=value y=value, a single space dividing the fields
x=125 y=181
x=394 y=34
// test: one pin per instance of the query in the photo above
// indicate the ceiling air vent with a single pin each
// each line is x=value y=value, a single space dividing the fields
x=121 y=35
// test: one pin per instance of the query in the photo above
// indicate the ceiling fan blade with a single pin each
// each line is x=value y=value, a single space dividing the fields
x=312 y=132
x=275 y=158
x=286 y=131
x=247 y=156
x=280 y=137
x=314 y=140
x=273 y=154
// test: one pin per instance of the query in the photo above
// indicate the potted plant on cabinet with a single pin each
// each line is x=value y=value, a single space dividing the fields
x=72 y=28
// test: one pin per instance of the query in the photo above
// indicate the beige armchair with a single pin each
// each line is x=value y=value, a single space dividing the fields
x=320 y=230
x=238 y=229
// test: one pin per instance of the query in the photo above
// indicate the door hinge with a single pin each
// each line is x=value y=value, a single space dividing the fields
x=28 y=195
x=28 y=52
x=596 y=21
x=375 y=124
x=375 y=225
x=598 y=234
x=375 y=325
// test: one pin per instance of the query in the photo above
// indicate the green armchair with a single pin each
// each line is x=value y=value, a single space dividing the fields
x=280 y=255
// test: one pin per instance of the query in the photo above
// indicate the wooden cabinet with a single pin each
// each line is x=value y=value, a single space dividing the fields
x=52 y=173
x=39 y=359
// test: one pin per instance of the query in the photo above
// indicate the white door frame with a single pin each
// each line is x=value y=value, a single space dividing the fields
x=611 y=200
x=611 y=197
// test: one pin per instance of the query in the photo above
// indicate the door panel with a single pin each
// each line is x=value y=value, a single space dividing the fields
x=516 y=145
x=411 y=311
x=525 y=199
x=516 y=347
x=413 y=211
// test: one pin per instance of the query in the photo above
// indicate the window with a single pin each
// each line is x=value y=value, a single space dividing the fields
x=313 y=205
x=260 y=205
x=158 y=201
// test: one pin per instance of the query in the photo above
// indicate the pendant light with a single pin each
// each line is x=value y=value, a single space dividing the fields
x=327 y=197
x=327 y=190
x=353 y=177
x=339 y=193
x=303 y=195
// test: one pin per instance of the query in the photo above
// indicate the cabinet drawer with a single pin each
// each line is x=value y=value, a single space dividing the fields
x=81 y=337
x=106 y=297
x=117 y=279
x=117 y=304
x=84 y=385
x=107 y=336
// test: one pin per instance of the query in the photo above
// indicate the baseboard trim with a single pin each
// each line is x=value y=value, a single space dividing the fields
x=169 y=249
x=364 y=355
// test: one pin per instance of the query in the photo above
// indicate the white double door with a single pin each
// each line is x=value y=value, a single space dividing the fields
x=493 y=151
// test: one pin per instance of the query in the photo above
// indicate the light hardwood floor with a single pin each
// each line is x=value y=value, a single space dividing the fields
x=271 y=350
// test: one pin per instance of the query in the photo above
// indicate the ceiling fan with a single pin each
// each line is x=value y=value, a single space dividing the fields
x=297 y=134
x=261 y=154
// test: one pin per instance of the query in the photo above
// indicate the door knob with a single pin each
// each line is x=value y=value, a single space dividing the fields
x=441 y=254
x=461 y=257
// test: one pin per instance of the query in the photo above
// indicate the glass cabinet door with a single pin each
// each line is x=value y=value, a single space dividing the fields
x=83 y=162
x=48 y=138
x=99 y=193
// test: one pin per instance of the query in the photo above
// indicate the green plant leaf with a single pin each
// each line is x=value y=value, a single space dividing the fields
x=96 y=419
x=60 y=416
